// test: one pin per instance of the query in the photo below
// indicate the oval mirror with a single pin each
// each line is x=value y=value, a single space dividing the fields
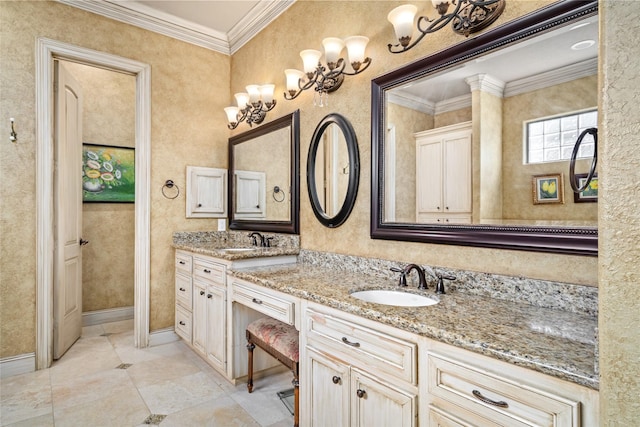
x=333 y=170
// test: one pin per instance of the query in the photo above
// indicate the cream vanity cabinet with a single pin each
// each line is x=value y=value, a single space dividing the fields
x=443 y=174
x=184 y=293
x=468 y=389
x=355 y=372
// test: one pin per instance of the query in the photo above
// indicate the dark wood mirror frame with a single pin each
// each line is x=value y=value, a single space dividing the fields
x=293 y=225
x=567 y=240
x=354 y=170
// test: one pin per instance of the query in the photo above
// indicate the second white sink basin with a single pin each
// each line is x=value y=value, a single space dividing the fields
x=400 y=299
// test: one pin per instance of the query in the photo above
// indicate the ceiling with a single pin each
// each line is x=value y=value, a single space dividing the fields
x=223 y=26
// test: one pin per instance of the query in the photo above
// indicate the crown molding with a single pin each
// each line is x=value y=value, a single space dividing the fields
x=454 y=104
x=151 y=19
x=411 y=101
x=558 y=76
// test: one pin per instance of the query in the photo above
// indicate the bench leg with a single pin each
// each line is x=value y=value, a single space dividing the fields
x=250 y=347
x=296 y=400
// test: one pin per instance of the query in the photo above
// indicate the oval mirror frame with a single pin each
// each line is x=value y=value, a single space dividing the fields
x=567 y=240
x=354 y=170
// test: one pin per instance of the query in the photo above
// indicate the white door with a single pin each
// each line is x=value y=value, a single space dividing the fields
x=67 y=298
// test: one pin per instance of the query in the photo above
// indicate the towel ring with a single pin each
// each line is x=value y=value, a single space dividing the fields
x=277 y=190
x=575 y=185
x=170 y=184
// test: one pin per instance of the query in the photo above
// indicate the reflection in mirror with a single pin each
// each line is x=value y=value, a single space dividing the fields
x=264 y=177
x=333 y=170
x=458 y=138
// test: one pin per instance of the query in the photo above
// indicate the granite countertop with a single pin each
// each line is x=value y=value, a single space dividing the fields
x=555 y=342
x=234 y=252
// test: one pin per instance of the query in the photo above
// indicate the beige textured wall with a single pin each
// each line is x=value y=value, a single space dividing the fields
x=619 y=208
x=298 y=29
x=188 y=128
x=518 y=201
x=108 y=260
x=452 y=117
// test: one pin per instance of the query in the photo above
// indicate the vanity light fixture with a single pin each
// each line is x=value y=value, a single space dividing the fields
x=329 y=78
x=252 y=105
x=469 y=16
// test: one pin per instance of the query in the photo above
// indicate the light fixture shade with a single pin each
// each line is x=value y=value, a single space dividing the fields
x=254 y=93
x=232 y=114
x=310 y=59
x=266 y=93
x=293 y=76
x=242 y=99
x=332 y=48
x=356 y=46
x=402 y=19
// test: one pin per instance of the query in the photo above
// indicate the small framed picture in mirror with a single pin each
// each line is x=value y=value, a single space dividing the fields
x=548 y=189
x=589 y=194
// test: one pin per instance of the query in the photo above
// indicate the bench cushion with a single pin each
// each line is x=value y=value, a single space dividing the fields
x=278 y=335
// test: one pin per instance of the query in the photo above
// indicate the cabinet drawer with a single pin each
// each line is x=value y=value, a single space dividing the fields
x=183 y=262
x=363 y=346
x=499 y=399
x=266 y=303
x=183 y=323
x=183 y=290
x=209 y=270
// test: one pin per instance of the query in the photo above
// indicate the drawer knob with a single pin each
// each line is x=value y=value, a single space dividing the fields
x=335 y=379
x=182 y=289
x=257 y=301
x=352 y=344
x=207 y=271
x=360 y=393
x=201 y=292
x=479 y=396
x=209 y=295
x=182 y=262
x=182 y=323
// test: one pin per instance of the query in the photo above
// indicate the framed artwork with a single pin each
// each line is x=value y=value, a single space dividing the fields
x=548 y=189
x=590 y=194
x=108 y=174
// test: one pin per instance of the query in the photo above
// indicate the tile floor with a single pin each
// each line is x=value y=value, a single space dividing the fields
x=104 y=381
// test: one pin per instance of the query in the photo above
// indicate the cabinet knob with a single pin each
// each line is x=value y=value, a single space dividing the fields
x=360 y=393
x=335 y=379
x=182 y=323
x=209 y=295
x=207 y=271
x=201 y=292
x=447 y=208
x=199 y=205
x=182 y=289
x=438 y=208
x=256 y=301
x=182 y=262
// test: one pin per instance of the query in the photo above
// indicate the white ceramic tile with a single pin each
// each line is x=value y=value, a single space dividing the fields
x=222 y=412
x=25 y=396
x=117 y=327
x=41 y=421
x=92 y=331
x=160 y=370
x=89 y=388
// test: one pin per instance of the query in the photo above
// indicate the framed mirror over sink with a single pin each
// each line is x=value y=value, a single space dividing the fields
x=264 y=177
x=458 y=137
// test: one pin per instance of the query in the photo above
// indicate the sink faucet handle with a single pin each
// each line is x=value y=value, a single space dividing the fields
x=268 y=241
x=440 y=284
x=403 y=275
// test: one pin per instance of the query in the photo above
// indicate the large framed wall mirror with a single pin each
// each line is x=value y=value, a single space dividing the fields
x=333 y=170
x=471 y=145
x=264 y=177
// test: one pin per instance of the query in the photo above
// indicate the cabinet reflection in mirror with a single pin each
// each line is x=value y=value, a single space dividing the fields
x=333 y=170
x=264 y=182
x=458 y=136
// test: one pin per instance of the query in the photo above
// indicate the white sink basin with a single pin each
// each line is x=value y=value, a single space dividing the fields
x=402 y=299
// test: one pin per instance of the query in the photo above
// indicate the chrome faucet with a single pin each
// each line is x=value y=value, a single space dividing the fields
x=422 y=282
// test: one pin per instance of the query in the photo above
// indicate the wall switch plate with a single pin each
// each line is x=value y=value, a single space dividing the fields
x=222 y=224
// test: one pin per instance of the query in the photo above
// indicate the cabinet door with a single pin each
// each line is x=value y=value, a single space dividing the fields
x=327 y=390
x=457 y=173
x=206 y=192
x=251 y=190
x=377 y=404
x=199 y=316
x=428 y=176
x=216 y=316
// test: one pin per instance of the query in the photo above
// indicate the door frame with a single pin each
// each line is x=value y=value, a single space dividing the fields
x=46 y=51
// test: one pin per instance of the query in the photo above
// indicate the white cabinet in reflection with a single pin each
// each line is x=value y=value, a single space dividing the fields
x=251 y=192
x=444 y=175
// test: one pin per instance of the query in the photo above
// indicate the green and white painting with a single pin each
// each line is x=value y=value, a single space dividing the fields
x=108 y=173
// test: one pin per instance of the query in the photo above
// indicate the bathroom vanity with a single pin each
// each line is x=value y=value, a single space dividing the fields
x=470 y=359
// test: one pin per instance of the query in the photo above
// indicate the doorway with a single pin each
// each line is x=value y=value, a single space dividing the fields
x=46 y=51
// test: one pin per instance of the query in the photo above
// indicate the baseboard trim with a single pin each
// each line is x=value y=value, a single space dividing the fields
x=162 y=336
x=16 y=365
x=99 y=317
